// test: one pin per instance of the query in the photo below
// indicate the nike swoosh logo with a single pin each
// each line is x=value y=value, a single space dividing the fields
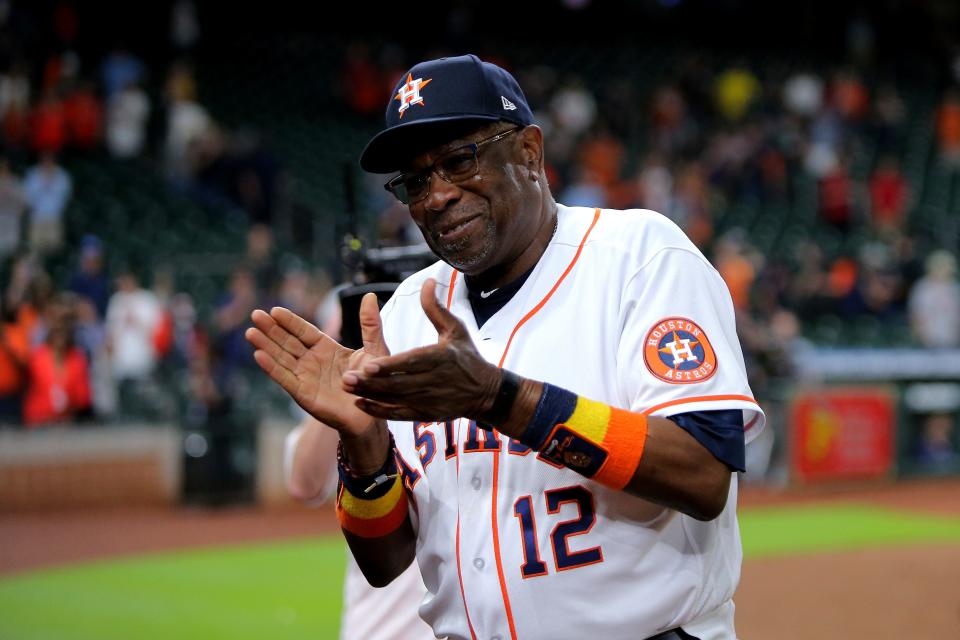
x=487 y=294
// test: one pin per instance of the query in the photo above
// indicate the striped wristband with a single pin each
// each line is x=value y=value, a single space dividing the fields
x=594 y=439
x=374 y=505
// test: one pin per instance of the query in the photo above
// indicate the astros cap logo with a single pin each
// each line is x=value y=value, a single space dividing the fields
x=677 y=350
x=409 y=93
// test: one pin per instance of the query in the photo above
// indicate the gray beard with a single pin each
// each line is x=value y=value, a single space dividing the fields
x=450 y=252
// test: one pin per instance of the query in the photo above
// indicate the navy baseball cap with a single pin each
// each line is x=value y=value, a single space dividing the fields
x=439 y=100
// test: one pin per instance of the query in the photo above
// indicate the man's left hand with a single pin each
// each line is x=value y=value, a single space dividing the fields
x=430 y=384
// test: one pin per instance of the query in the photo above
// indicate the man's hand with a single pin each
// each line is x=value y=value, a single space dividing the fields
x=309 y=365
x=447 y=380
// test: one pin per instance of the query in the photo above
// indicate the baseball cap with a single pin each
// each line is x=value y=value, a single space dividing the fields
x=435 y=100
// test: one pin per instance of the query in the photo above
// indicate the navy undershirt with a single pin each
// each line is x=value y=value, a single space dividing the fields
x=485 y=307
x=720 y=432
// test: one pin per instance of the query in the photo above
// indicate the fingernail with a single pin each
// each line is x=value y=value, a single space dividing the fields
x=350 y=378
x=371 y=368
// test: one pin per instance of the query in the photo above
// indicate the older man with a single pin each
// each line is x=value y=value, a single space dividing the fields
x=555 y=435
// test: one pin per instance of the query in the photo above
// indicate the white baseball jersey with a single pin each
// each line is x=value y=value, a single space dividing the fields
x=622 y=308
x=388 y=613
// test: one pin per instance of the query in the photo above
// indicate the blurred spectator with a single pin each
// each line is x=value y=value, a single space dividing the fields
x=889 y=194
x=735 y=92
x=261 y=260
x=164 y=289
x=936 y=442
x=691 y=204
x=119 y=70
x=91 y=282
x=187 y=122
x=83 y=114
x=231 y=318
x=58 y=387
x=584 y=190
x=934 y=303
x=849 y=96
x=48 y=188
x=186 y=334
x=361 y=81
x=13 y=206
x=14 y=357
x=297 y=291
x=803 y=94
x=878 y=285
x=256 y=177
x=26 y=295
x=808 y=292
x=948 y=128
x=835 y=197
x=889 y=114
x=91 y=337
x=59 y=70
x=573 y=107
x=133 y=315
x=127 y=115
x=395 y=227
x=15 y=105
x=49 y=124
x=601 y=156
x=673 y=129
x=655 y=185
x=735 y=267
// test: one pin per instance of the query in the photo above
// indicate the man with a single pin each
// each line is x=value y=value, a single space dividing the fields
x=601 y=501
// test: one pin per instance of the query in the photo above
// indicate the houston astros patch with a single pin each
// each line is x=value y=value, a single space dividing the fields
x=677 y=350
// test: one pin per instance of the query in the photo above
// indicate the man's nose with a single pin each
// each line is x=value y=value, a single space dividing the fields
x=441 y=194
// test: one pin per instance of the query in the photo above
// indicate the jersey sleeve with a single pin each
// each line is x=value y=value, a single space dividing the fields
x=678 y=349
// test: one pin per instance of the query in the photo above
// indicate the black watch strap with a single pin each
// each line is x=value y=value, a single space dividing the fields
x=506 y=395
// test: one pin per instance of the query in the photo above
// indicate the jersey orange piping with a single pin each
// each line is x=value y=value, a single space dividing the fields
x=671 y=403
x=496 y=459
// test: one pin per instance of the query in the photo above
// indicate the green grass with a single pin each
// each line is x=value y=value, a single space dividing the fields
x=804 y=529
x=288 y=590
x=294 y=589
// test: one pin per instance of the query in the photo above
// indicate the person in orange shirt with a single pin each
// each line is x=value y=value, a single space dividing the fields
x=58 y=379
x=14 y=352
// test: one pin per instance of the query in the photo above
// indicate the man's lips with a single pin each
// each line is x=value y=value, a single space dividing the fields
x=456 y=228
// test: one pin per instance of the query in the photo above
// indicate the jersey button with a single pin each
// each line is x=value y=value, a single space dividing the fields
x=475 y=482
x=478 y=563
x=495 y=638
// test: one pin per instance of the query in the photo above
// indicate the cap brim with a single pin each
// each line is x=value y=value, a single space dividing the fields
x=391 y=149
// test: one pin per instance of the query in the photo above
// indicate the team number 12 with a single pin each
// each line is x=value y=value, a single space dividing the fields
x=564 y=559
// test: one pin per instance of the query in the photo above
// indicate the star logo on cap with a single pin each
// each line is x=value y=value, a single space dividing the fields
x=409 y=93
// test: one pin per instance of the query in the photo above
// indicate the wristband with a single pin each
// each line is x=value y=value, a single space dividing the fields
x=503 y=403
x=592 y=438
x=372 y=485
x=373 y=505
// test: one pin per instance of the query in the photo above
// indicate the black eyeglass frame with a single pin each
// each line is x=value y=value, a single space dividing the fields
x=397 y=184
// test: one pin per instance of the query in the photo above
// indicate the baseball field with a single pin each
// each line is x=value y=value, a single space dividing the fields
x=875 y=563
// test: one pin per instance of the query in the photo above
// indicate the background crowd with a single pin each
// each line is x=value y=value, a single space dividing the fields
x=149 y=200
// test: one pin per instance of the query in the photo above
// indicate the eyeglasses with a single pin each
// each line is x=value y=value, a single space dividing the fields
x=454 y=166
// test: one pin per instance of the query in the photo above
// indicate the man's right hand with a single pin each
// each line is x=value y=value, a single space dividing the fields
x=309 y=365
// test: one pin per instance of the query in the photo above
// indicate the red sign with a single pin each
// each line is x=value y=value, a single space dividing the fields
x=842 y=433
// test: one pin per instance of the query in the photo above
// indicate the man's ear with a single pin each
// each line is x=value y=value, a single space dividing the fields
x=531 y=146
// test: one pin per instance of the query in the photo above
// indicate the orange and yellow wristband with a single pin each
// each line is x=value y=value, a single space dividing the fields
x=372 y=518
x=592 y=438
x=374 y=505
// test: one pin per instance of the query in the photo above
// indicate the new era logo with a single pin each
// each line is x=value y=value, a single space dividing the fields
x=507 y=105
